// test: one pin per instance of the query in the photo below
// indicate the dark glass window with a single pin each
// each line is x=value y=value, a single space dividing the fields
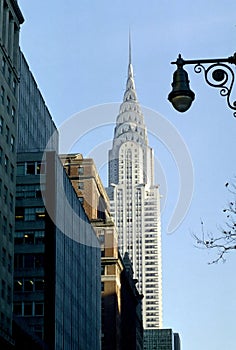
x=28 y=285
x=1 y=124
x=80 y=170
x=28 y=261
x=29 y=238
x=30 y=168
x=20 y=169
x=19 y=213
x=18 y=285
x=39 y=309
x=39 y=285
x=17 y=309
x=28 y=309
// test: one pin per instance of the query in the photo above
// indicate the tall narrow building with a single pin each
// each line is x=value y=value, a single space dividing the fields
x=135 y=201
x=11 y=19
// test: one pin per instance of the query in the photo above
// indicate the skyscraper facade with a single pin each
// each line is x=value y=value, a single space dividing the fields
x=135 y=201
x=10 y=20
x=57 y=270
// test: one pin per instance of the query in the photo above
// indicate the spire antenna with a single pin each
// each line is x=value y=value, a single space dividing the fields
x=130 y=46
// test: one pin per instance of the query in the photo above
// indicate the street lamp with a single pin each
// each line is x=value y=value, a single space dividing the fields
x=217 y=74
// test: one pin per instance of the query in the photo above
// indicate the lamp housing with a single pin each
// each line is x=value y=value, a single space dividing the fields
x=181 y=95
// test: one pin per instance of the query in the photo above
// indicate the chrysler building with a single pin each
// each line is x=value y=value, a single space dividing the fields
x=135 y=201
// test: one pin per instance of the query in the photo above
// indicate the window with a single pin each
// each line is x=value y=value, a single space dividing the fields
x=9 y=263
x=5 y=194
x=29 y=238
x=12 y=143
x=9 y=76
x=28 y=309
x=28 y=285
x=4 y=225
x=40 y=168
x=3 y=66
x=39 y=237
x=4 y=255
x=80 y=185
x=29 y=261
x=19 y=213
x=1 y=124
x=13 y=114
x=29 y=214
x=39 y=285
x=81 y=199
x=20 y=169
x=18 y=261
x=2 y=94
x=80 y=170
x=18 y=285
x=10 y=233
x=32 y=213
x=17 y=309
x=9 y=297
x=30 y=168
x=6 y=163
x=14 y=86
x=11 y=202
x=3 y=291
x=12 y=171
x=8 y=104
x=39 y=260
x=39 y=309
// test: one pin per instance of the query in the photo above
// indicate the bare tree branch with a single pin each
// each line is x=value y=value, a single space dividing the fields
x=224 y=240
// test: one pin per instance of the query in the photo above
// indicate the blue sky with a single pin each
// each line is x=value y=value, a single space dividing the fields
x=78 y=53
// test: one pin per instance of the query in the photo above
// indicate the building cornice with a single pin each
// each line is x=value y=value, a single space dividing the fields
x=17 y=11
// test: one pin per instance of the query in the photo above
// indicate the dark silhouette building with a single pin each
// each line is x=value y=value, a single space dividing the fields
x=10 y=20
x=57 y=273
x=161 y=339
x=57 y=257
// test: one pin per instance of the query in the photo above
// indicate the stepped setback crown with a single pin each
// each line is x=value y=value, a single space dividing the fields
x=130 y=121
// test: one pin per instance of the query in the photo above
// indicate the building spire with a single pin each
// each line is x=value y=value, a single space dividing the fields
x=130 y=93
x=129 y=47
x=130 y=67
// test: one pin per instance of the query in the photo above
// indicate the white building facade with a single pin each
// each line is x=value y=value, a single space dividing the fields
x=135 y=202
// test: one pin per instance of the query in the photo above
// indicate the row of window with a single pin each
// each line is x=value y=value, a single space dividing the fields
x=29 y=308
x=5 y=101
x=28 y=261
x=6 y=259
x=28 y=191
x=6 y=292
x=30 y=237
x=10 y=31
x=4 y=129
x=6 y=228
x=8 y=76
x=6 y=196
x=29 y=285
x=31 y=168
x=30 y=214
x=8 y=166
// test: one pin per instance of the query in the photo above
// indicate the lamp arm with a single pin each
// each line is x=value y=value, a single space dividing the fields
x=219 y=75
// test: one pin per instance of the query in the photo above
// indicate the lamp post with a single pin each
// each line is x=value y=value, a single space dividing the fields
x=217 y=74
